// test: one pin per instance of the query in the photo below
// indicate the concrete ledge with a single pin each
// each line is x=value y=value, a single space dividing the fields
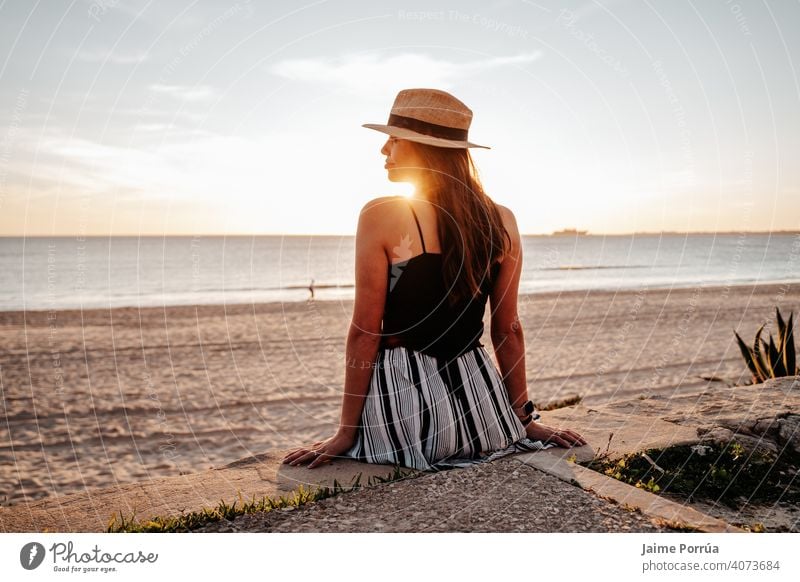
x=606 y=487
x=630 y=432
x=259 y=476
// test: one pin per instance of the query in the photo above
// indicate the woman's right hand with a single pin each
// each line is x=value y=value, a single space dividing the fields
x=562 y=437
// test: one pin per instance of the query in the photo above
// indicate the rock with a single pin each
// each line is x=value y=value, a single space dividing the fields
x=789 y=432
x=720 y=436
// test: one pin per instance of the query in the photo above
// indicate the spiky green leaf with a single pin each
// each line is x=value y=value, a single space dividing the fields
x=788 y=348
x=761 y=372
x=781 y=330
x=766 y=360
x=775 y=360
x=747 y=354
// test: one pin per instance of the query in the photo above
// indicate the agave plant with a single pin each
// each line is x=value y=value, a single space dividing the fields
x=768 y=360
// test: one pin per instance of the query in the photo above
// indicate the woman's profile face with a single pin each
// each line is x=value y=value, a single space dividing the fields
x=402 y=162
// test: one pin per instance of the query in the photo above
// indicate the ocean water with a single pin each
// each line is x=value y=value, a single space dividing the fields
x=38 y=273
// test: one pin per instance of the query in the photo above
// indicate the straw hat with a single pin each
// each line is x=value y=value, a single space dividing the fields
x=429 y=116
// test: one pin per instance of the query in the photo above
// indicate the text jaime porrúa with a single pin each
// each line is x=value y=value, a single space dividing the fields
x=679 y=549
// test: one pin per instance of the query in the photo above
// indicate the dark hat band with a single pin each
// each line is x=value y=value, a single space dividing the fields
x=431 y=129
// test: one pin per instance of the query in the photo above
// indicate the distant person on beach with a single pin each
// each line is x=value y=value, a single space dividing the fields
x=311 y=289
x=421 y=391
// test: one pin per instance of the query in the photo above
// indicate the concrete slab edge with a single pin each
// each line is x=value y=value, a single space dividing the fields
x=656 y=508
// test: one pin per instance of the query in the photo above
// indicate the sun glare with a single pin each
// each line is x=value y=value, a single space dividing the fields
x=405 y=189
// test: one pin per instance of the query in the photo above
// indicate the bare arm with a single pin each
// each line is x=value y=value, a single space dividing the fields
x=363 y=338
x=508 y=339
x=364 y=335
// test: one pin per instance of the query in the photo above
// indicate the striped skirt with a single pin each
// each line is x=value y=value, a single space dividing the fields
x=430 y=415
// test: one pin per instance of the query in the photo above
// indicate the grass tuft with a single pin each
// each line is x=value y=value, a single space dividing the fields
x=556 y=404
x=675 y=525
x=186 y=522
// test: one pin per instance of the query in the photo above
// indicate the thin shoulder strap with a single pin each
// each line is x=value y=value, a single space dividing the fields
x=418 y=227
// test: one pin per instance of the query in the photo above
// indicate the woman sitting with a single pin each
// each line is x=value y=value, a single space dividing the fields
x=421 y=390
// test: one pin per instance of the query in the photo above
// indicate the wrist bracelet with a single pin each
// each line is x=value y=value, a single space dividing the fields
x=527 y=408
x=528 y=413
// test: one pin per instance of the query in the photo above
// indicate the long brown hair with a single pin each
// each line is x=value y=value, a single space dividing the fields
x=471 y=231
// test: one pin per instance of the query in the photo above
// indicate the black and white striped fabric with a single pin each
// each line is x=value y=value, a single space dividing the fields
x=430 y=415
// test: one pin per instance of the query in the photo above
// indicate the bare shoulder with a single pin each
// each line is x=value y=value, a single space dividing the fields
x=375 y=219
x=381 y=206
x=510 y=222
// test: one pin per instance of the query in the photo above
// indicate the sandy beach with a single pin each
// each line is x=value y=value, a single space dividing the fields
x=103 y=397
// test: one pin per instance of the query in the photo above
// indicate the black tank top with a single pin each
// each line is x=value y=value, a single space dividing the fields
x=417 y=314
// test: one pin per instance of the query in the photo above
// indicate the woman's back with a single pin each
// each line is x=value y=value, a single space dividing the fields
x=436 y=400
x=417 y=313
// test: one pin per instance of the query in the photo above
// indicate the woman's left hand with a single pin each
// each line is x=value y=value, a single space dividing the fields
x=562 y=437
x=321 y=451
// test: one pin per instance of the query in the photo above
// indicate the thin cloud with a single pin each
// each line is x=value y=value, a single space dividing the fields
x=376 y=73
x=593 y=7
x=99 y=56
x=191 y=164
x=185 y=93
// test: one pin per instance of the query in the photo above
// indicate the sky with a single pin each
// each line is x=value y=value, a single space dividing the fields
x=222 y=117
